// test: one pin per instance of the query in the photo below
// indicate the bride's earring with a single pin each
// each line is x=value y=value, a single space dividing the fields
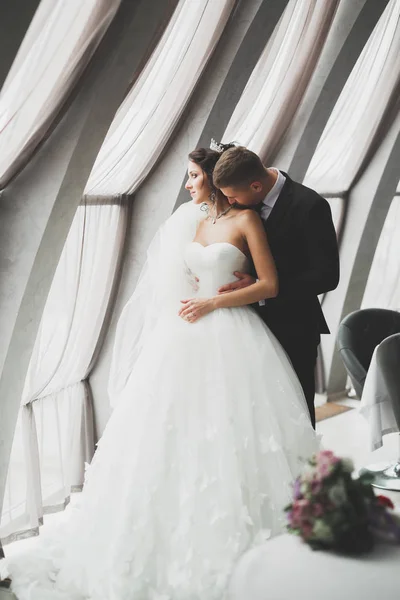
x=213 y=207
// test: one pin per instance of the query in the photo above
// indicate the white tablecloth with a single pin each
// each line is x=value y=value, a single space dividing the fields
x=285 y=568
x=376 y=406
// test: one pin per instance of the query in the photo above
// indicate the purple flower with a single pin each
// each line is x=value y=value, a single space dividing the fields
x=292 y=520
x=296 y=489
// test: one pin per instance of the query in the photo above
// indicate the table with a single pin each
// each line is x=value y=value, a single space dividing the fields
x=284 y=568
x=376 y=406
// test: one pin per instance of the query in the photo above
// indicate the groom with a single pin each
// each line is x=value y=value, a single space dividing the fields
x=302 y=237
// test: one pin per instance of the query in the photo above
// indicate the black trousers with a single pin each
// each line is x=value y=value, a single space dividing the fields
x=304 y=361
x=302 y=350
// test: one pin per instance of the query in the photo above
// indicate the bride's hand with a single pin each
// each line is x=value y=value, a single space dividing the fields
x=195 y=308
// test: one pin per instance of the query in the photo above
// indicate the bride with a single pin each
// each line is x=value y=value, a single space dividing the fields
x=209 y=429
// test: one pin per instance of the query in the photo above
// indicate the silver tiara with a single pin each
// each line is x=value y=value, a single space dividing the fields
x=216 y=146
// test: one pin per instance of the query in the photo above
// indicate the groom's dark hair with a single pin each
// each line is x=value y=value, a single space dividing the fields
x=238 y=167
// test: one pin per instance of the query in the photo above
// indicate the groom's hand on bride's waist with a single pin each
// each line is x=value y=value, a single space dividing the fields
x=243 y=281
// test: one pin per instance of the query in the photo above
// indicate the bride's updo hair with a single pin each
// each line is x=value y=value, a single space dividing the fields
x=207 y=159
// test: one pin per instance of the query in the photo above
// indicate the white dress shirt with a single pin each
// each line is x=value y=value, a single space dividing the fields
x=273 y=195
x=270 y=199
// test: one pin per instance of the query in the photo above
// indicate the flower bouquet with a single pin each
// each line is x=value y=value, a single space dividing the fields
x=333 y=510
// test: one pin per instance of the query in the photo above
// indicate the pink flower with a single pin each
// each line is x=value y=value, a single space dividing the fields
x=316 y=486
x=324 y=469
x=327 y=456
x=306 y=529
x=317 y=509
x=293 y=519
x=301 y=506
x=326 y=461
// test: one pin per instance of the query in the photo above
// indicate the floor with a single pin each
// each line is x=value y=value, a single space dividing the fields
x=346 y=434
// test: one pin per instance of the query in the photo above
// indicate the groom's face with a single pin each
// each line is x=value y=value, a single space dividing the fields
x=250 y=195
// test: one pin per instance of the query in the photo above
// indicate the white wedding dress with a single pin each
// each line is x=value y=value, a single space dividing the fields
x=195 y=465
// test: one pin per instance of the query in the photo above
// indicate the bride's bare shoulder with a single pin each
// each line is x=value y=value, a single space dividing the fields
x=248 y=215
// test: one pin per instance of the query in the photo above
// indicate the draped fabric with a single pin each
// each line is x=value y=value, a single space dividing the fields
x=280 y=78
x=383 y=286
x=55 y=435
x=54 y=53
x=53 y=440
x=78 y=299
x=360 y=110
x=151 y=111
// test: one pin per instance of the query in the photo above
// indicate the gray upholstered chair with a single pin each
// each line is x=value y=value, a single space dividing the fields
x=359 y=334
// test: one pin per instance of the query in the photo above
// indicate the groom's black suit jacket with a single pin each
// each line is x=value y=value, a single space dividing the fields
x=303 y=243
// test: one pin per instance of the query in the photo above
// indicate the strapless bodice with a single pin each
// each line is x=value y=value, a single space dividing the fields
x=213 y=265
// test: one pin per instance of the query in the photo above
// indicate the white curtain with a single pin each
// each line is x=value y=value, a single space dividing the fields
x=383 y=286
x=280 y=78
x=150 y=112
x=78 y=298
x=56 y=49
x=14 y=513
x=55 y=437
x=360 y=108
x=338 y=209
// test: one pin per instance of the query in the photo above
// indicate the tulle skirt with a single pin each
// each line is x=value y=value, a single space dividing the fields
x=194 y=467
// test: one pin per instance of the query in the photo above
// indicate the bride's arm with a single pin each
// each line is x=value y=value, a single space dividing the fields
x=266 y=287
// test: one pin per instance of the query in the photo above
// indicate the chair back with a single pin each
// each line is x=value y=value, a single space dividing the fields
x=359 y=334
x=388 y=360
